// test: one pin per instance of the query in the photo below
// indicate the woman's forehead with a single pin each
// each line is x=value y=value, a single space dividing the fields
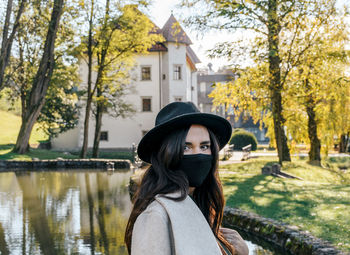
x=197 y=133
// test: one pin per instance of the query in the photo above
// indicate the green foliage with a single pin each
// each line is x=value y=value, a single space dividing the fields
x=60 y=111
x=115 y=36
x=243 y=138
x=322 y=82
x=121 y=35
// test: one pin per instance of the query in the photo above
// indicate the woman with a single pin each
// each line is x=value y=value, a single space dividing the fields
x=178 y=208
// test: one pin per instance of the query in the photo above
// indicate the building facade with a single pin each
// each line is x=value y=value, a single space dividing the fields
x=166 y=74
x=206 y=82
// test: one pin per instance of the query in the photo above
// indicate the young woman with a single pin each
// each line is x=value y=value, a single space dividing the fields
x=179 y=206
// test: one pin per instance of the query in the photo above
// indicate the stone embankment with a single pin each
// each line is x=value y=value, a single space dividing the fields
x=10 y=165
x=287 y=237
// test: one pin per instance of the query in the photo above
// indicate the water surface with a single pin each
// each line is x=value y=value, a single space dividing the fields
x=67 y=212
x=63 y=212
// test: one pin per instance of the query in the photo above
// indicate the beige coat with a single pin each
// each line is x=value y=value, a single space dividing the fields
x=170 y=227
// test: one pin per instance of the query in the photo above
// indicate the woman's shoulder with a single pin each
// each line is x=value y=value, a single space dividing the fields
x=151 y=231
x=159 y=207
x=154 y=210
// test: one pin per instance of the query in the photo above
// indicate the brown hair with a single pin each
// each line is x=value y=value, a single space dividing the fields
x=163 y=176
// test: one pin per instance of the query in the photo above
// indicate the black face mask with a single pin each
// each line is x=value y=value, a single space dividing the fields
x=196 y=167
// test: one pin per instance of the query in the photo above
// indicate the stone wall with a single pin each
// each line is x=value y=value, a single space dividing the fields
x=9 y=165
x=284 y=236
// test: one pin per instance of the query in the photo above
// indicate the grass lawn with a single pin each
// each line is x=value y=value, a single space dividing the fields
x=6 y=154
x=9 y=128
x=320 y=203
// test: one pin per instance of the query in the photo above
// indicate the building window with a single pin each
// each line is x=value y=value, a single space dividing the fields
x=177 y=72
x=145 y=73
x=146 y=104
x=201 y=107
x=178 y=99
x=202 y=87
x=104 y=136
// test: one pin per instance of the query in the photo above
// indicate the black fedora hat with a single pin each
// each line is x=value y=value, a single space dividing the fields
x=180 y=114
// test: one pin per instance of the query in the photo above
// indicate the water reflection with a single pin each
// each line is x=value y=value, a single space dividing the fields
x=70 y=212
x=63 y=212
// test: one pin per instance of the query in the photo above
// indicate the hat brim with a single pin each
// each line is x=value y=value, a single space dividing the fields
x=152 y=139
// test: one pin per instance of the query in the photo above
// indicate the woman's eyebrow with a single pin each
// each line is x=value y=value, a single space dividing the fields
x=204 y=142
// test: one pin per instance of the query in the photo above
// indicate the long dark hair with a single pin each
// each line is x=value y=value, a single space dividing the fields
x=163 y=177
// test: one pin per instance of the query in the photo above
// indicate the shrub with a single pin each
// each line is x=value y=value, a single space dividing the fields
x=238 y=130
x=242 y=138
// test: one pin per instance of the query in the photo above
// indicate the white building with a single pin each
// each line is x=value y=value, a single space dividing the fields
x=165 y=75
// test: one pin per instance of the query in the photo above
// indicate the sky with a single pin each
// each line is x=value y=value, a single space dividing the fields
x=160 y=11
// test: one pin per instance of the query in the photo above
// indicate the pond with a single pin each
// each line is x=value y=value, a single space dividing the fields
x=67 y=212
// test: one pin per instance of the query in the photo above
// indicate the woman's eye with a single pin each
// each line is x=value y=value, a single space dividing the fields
x=205 y=147
x=186 y=148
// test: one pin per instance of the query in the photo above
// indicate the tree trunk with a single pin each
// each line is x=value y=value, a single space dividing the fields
x=7 y=42
x=275 y=82
x=315 y=144
x=84 y=148
x=30 y=117
x=99 y=84
x=22 y=83
x=343 y=143
x=98 y=125
x=101 y=56
x=83 y=152
x=41 y=81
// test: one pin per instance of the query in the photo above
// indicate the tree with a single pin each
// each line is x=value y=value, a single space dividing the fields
x=7 y=40
x=59 y=112
x=117 y=39
x=317 y=81
x=110 y=98
x=278 y=30
x=41 y=81
x=90 y=90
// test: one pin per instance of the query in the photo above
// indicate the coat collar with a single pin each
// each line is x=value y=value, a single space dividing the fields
x=190 y=230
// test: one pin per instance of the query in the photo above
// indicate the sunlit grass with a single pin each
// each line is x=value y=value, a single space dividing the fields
x=318 y=203
x=9 y=128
